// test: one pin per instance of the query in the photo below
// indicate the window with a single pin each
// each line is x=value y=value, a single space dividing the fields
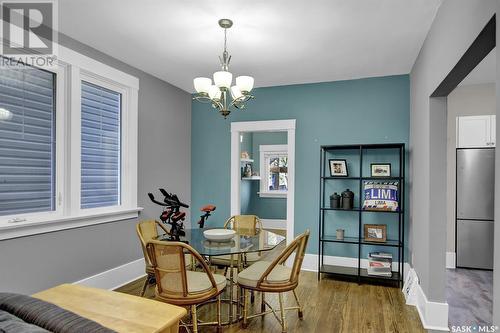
x=274 y=170
x=27 y=140
x=100 y=172
x=68 y=145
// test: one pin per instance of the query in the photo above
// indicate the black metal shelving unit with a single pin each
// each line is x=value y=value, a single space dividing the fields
x=358 y=273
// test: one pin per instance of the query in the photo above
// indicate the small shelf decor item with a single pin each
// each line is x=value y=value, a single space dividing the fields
x=375 y=233
x=380 y=169
x=381 y=196
x=338 y=168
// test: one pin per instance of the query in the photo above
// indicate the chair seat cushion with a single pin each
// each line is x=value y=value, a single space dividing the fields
x=225 y=260
x=251 y=275
x=199 y=282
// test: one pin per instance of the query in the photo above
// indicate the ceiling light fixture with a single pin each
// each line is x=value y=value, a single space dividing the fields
x=219 y=93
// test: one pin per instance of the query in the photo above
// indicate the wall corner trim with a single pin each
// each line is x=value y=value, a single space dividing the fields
x=433 y=315
x=450 y=260
x=115 y=277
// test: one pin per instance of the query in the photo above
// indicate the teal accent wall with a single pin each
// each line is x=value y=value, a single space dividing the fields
x=372 y=110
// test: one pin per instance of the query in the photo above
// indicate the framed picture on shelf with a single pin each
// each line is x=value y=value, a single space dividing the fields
x=338 y=168
x=375 y=233
x=381 y=169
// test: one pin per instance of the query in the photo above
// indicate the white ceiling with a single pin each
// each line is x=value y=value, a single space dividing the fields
x=485 y=72
x=278 y=42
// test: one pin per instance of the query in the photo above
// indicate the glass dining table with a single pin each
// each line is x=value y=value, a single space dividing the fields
x=245 y=241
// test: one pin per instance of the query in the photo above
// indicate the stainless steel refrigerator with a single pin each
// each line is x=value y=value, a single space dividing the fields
x=475 y=207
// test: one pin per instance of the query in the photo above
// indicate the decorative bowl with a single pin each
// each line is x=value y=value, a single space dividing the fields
x=219 y=235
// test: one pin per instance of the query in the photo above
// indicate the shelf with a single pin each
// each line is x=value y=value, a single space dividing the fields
x=362 y=178
x=389 y=242
x=381 y=211
x=352 y=273
x=246 y=160
x=342 y=209
x=251 y=178
x=340 y=178
x=365 y=146
x=356 y=153
x=346 y=240
x=339 y=270
x=364 y=275
x=362 y=210
x=356 y=240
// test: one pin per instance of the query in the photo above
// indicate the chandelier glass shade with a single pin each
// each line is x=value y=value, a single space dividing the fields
x=221 y=93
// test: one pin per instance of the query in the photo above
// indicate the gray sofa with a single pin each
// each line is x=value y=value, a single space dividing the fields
x=25 y=314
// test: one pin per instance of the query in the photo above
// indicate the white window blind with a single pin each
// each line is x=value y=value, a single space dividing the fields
x=101 y=136
x=27 y=140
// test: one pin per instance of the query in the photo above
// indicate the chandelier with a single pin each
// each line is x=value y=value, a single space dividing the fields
x=221 y=94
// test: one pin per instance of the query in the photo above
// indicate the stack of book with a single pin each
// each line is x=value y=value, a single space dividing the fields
x=380 y=264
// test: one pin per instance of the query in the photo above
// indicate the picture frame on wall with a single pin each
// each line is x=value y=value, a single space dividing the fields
x=375 y=233
x=380 y=169
x=338 y=168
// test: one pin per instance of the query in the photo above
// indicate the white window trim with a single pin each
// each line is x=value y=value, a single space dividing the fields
x=72 y=68
x=263 y=151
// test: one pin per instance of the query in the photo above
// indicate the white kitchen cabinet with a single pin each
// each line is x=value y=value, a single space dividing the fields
x=476 y=131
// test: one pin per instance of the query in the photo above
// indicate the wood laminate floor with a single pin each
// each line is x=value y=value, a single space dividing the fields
x=329 y=306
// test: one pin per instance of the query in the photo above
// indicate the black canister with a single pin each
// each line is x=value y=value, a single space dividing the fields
x=348 y=199
x=335 y=200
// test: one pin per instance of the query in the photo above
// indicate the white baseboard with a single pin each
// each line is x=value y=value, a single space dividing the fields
x=433 y=315
x=450 y=260
x=115 y=277
x=310 y=262
x=273 y=224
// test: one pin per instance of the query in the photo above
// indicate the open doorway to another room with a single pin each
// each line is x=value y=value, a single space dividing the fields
x=471 y=109
x=264 y=177
x=263 y=172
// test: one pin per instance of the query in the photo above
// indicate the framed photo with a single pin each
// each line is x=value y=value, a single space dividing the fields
x=338 y=168
x=375 y=233
x=381 y=169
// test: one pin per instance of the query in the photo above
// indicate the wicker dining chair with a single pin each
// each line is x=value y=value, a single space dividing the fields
x=274 y=277
x=177 y=285
x=242 y=224
x=147 y=230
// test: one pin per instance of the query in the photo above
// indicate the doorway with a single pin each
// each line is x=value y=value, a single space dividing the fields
x=241 y=130
x=461 y=103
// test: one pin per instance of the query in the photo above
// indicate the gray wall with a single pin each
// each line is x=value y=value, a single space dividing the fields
x=37 y=262
x=496 y=257
x=471 y=100
x=457 y=24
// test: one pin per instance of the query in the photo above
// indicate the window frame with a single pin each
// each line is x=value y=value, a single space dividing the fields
x=71 y=69
x=60 y=146
x=264 y=151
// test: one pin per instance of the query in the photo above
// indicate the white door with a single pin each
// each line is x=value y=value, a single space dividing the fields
x=474 y=132
x=493 y=131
